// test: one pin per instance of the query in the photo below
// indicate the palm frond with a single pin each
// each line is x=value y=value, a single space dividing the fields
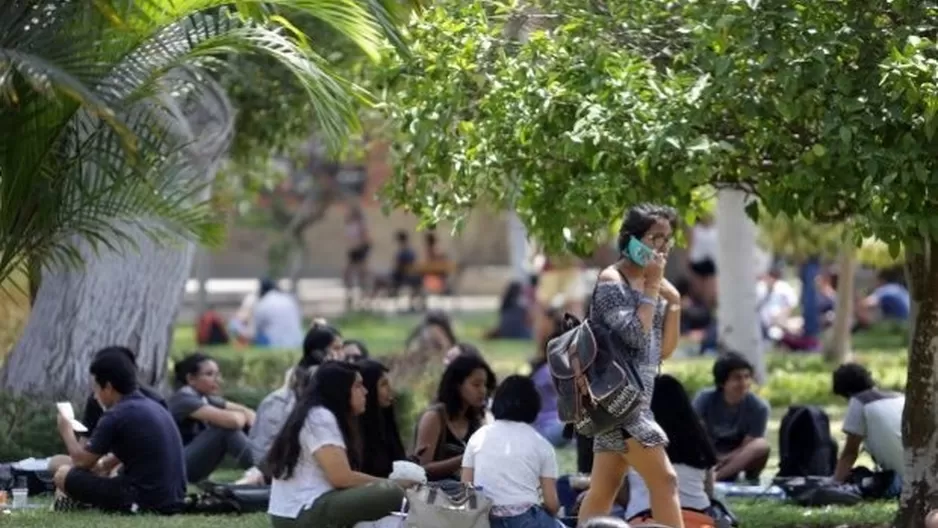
x=94 y=145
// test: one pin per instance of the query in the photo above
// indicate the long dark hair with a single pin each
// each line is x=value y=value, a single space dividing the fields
x=437 y=318
x=510 y=297
x=688 y=442
x=316 y=344
x=381 y=439
x=447 y=393
x=331 y=388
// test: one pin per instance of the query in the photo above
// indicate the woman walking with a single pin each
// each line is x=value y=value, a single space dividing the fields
x=633 y=299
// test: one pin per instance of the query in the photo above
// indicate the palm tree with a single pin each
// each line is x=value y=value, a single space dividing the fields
x=111 y=128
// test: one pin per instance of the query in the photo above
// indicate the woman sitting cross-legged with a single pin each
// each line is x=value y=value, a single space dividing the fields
x=690 y=452
x=211 y=427
x=513 y=464
x=459 y=411
x=316 y=459
x=381 y=440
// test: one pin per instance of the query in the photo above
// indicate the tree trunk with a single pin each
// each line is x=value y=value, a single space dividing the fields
x=203 y=270
x=517 y=247
x=920 y=416
x=128 y=299
x=840 y=347
x=737 y=268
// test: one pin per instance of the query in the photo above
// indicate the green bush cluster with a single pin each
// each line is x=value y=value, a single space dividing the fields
x=798 y=378
x=27 y=428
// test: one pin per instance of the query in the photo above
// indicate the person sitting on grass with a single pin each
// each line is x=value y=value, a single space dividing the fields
x=355 y=350
x=381 y=438
x=690 y=452
x=211 y=427
x=735 y=419
x=94 y=411
x=462 y=349
x=874 y=418
x=135 y=432
x=316 y=458
x=459 y=411
x=321 y=342
x=548 y=421
x=512 y=463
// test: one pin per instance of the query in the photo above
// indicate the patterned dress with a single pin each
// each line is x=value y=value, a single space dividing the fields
x=615 y=305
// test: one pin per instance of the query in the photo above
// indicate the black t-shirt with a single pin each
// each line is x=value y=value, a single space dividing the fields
x=186 y=401
x=143 y=436
x=93 y=410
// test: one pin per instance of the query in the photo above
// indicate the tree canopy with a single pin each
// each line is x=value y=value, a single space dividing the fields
x=823 y=110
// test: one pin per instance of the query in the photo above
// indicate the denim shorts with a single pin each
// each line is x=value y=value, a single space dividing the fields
x=536 y=517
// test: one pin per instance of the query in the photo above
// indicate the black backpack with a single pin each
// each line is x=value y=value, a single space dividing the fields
x=597 y=388
x=805 y=443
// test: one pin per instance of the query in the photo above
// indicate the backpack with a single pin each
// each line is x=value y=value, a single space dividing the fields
x=210 y=330
x=597 y=388
x=805 y=444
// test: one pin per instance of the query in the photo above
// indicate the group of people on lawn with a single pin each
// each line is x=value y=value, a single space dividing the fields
x=326 y=441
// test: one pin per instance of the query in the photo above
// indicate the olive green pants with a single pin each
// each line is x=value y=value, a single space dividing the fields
x=344 y=508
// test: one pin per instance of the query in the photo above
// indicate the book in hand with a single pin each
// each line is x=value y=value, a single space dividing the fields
x=66 y=410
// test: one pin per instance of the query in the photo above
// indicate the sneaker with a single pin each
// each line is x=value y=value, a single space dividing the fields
x=64 y=503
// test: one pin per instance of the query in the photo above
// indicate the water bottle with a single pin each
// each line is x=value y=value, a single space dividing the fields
x=20 y=493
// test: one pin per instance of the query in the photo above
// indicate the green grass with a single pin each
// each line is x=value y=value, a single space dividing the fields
x=750 y=513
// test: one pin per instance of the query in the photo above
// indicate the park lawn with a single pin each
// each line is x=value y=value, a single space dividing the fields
x=750 y=513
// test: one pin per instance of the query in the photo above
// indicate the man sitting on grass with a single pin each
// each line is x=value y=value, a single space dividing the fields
x=735 y=419
x=94 y=411
x=874 y=418
x=138 y=433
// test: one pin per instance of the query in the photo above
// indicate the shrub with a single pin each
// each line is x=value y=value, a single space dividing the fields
x=27 y=428
x=798 y=378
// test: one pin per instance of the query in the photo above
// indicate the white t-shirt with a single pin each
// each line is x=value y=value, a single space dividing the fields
x=278 y=319
x=876 y=416
x=782 y=297
x=690 y=489
x=290 y=497
x=705 y=243
x=509 y=459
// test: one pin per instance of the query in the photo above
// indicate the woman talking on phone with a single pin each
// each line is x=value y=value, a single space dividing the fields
x=634 y=299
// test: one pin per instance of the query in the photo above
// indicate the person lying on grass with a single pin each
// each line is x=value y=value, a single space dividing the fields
x=138 y=433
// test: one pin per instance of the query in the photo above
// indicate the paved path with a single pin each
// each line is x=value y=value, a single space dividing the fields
x=325 y=297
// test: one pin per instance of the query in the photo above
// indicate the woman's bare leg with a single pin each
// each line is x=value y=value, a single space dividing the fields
x=653 y=466
x=609 y=467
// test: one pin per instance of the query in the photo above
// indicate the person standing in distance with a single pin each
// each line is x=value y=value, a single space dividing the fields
x=634 y=300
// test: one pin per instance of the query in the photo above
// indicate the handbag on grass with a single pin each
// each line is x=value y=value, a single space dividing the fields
x=428 y=506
